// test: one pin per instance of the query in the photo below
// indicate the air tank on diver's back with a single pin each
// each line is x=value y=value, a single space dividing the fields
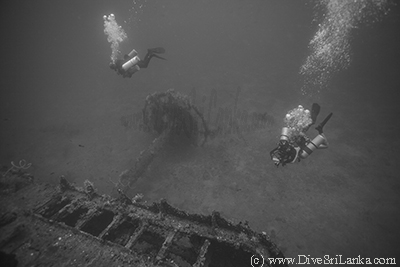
x=312 y=145
x=130 y=63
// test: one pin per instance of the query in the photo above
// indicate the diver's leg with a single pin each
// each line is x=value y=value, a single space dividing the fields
x=324 y=143
x=320 y=127
x=158 y=50
x=145 y=62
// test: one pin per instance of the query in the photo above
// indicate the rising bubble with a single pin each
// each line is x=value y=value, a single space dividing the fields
x=330 y=49
x=115 y=35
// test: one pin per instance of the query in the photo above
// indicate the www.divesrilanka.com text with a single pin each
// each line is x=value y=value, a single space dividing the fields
x=327 y=259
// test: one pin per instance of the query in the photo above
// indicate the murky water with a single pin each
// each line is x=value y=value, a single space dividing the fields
x=245 y=64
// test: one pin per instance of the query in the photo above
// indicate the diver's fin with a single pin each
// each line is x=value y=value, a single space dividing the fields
x=320 y=127
x=314 y=112
x=157 y=56
x=158 y=50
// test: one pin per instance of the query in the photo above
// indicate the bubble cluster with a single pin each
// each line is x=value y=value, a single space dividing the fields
x=136 y=10
x=298 y=120
x=330 y=47
x=115 y=35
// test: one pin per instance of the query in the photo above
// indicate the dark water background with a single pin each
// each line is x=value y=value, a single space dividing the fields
x=61 y=109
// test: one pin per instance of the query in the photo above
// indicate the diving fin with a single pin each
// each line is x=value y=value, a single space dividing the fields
x=322 y=124
x=315 y=109
x=157 y=56
x=157 y=50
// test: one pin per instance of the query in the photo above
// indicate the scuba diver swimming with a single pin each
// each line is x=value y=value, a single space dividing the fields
x=132 y=63
x=294 y=145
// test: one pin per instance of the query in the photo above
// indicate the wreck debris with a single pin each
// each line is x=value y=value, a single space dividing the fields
x=89 y=189
x=22 y=165
x=222 y=120
x=15 y=178
x=7 y=217
x=169 y=114
x=174 y=111
x=64 y=184
x=231 y=120
x=71 y=228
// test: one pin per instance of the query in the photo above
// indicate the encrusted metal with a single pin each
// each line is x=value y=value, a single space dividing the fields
x=43 y=225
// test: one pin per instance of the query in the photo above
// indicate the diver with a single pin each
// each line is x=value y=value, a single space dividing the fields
x=294 y=145
x=132 y=63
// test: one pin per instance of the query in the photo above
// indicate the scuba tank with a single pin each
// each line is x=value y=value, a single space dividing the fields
x=285 y=134
x=317 y=141
x=133 y=61
x=311 y=146
x=133 y=53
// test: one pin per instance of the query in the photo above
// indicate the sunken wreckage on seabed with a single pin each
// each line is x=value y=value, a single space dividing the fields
x=64 y=225
x=172 y=115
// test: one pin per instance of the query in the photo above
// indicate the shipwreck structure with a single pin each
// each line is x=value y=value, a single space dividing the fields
x=175 y=117
x=48 y=225
x=171 y=115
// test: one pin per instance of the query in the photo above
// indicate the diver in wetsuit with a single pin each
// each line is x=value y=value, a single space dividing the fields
x=132 y=63
x=294 y=145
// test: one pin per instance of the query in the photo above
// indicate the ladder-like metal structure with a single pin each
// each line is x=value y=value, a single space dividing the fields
x=77 y=225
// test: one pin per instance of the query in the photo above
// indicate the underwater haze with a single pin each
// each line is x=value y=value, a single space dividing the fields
x=67 y=113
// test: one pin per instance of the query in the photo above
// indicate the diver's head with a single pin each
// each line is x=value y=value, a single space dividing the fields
x=277 y=157
x=283 y=154
x=113 y=66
